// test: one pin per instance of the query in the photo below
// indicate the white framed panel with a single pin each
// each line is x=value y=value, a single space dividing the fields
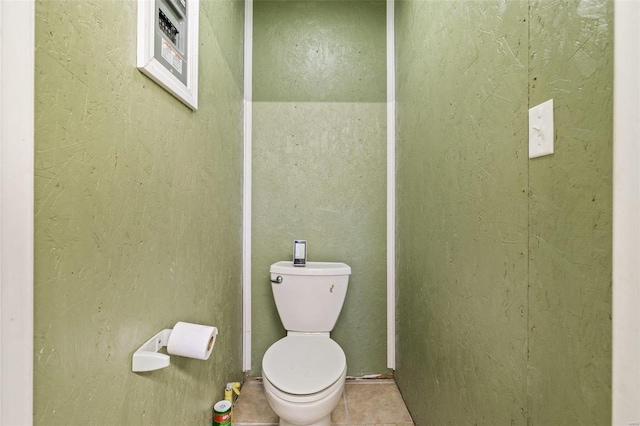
x=169 y=77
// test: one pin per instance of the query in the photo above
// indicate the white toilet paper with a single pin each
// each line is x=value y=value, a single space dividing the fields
x=192 y=340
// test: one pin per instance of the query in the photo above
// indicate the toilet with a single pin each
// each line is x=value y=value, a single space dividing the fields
x=304 y=373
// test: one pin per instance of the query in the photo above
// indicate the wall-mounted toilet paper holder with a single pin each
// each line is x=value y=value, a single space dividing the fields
x=147 y=357
x=184 y=339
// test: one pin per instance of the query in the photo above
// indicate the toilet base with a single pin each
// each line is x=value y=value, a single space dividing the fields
x=325 y=421
x=309 y=413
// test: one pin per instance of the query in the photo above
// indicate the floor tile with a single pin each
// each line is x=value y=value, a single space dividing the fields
x=375 y=403
x=339 y=415
x=370 y=402
x=252 y=406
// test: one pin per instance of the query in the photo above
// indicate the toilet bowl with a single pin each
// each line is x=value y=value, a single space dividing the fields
x=304 y=373
x=304 y=376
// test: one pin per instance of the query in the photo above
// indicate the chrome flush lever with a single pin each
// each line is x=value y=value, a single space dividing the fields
x=278 y=280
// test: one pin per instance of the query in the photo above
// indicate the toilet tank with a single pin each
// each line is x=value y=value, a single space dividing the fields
x=310 y=298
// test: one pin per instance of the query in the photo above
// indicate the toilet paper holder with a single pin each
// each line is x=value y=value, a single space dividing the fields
x=147 y=357
x=184 y=339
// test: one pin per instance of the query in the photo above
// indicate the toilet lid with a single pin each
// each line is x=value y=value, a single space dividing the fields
x=303 y=364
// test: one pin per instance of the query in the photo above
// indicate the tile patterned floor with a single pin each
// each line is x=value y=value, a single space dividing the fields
x=364 y=402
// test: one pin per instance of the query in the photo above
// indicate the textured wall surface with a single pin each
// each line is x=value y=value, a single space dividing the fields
x=319 y=50
x=319 y=162
x=138 y=217
x=503 y=262
x=570 y=214
x=462 y=211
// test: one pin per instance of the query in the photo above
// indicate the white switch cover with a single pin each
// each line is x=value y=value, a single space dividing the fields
x=541 y=133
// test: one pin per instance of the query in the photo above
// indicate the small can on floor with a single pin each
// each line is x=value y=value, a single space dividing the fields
x=222 y=413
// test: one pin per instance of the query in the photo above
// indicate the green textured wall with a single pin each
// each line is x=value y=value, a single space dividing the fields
x=504 y=262
x=319 y=162
x=462 y=210
x=138 y=217
x=570 y=209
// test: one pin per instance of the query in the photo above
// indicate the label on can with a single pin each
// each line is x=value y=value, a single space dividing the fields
x=222 y=413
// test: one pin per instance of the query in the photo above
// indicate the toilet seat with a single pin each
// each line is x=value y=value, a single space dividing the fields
x=300 y=400
x=304 y=365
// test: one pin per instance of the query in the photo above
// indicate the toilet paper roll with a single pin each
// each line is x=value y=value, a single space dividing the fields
x=192 y=340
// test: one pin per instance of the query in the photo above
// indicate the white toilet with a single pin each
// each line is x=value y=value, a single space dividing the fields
x=304 y=372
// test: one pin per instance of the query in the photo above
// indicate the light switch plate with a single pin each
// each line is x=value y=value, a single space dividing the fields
x=541 y=132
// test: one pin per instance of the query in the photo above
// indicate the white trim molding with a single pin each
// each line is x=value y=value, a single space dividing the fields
x=391 y=187
x=246 y=190
x=626 y=215
x=17 y=42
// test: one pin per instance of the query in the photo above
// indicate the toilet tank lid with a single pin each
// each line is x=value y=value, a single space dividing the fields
x=312 y=268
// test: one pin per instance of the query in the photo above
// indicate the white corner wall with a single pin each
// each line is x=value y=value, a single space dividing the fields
x=626 y=215
x=17 y=24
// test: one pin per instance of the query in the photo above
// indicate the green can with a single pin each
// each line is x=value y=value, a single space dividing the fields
x=222 y=413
